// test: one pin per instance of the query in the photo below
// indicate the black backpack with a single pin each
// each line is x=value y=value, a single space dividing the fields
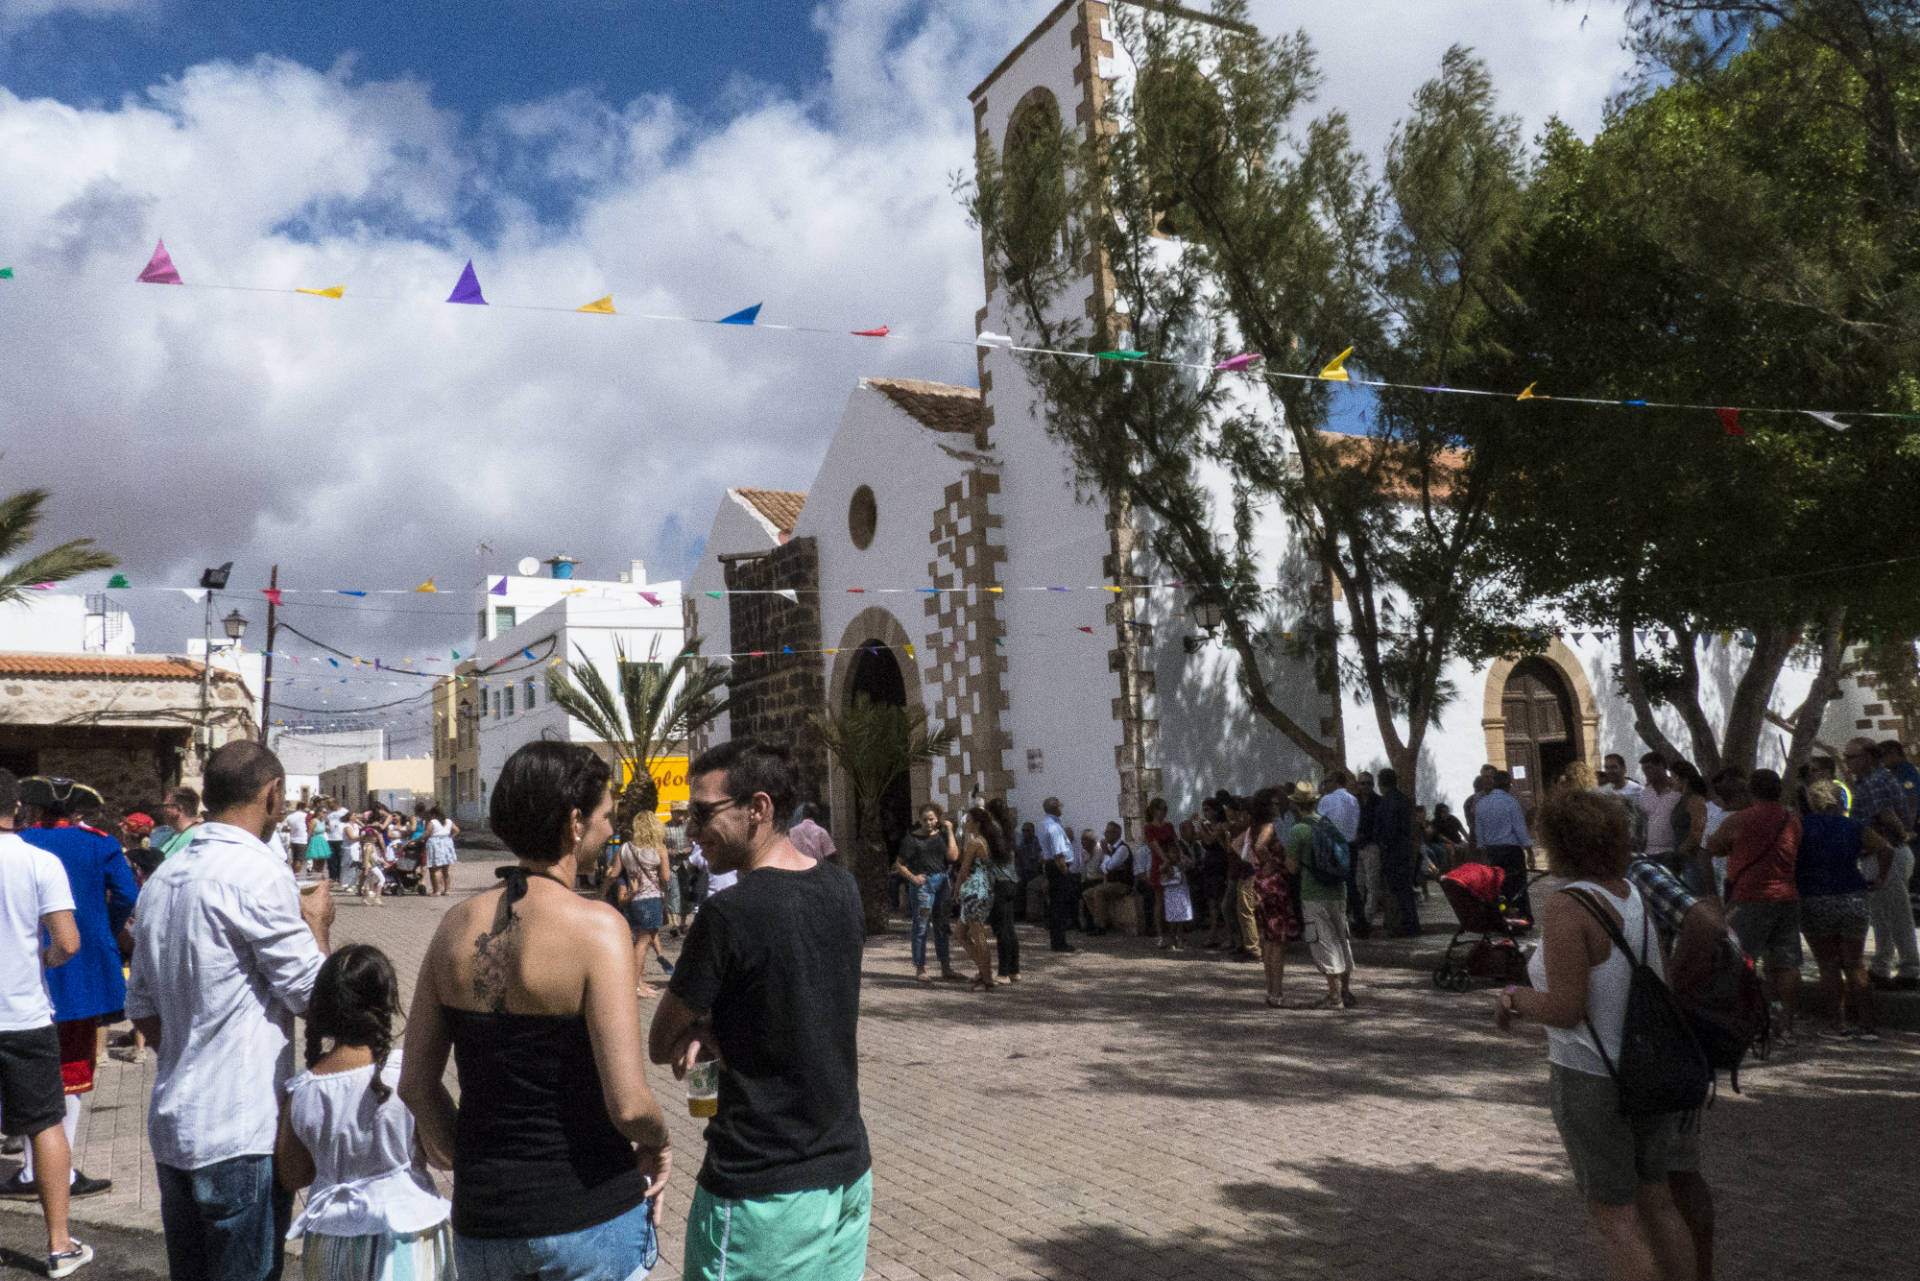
x=1329 y=857
x=1661 y=1068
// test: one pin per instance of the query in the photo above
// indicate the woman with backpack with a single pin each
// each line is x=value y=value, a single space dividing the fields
x=1323 y=902
x=1581 y=978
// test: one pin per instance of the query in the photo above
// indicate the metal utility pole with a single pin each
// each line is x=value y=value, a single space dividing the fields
x=266 y=680
x=211 y=581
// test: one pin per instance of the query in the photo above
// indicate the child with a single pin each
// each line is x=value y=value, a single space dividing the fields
x=1179 y=895
x=371 y=1213
x=373 y=862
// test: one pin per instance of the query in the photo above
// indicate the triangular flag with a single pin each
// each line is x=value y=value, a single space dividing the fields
x=1826 y=419
x=1234 y=364
x=650 y=598
x=1128 y=354
x=272 y=594
x=194 y=594
x=1730 y=420
x=857 y=589
x=1110 y=587
x=786 y=649
x=998 y=591
x=6 y=273
x=468 y=290
x=987 y=338
x=1336 y=371
x=41 y=587
x=790 y=594
x=118 y=580
x=881 y=332
x=745 y=316
x=427 y=587
x=499 y=588
x=331 y=291
x=1087 y=630
x=348 y=591
x=1530 y=394
x=529 y=655
x=160 y=269
x=909 y=649
x=600 y=307
x=334 y=661
x=716 y=595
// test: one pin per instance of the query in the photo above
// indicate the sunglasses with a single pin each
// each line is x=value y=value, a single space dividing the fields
x=700 y=813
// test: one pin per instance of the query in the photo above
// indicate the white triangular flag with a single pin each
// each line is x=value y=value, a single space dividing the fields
x=988 y=338
x=790 y=594
x=194 y=594
x=1826 y=419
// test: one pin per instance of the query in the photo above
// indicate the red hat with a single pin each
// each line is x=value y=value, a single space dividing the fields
x=138 y=824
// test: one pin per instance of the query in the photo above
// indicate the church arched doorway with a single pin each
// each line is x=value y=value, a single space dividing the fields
x=1540 y=729
x=876 y=674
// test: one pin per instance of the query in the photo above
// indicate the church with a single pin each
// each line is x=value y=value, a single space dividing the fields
x=944 y=556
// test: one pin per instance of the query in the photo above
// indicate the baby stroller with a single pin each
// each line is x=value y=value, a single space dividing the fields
x=1473 y=892
x=407 y=871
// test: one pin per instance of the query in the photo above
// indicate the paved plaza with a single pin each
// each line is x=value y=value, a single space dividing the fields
x=1132 y=1115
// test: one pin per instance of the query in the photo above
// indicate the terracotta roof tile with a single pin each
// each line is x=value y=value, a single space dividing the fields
x=781 y=507
x=936 y=405
x=106 y=667
x=1364 y=452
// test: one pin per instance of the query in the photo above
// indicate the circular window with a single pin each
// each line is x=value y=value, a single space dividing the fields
x=862 y=516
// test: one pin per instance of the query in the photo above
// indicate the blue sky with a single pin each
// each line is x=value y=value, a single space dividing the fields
x=478 y=54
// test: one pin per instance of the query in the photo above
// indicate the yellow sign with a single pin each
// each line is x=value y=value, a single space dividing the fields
x=669 y=777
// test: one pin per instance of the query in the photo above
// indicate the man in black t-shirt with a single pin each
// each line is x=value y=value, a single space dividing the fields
x=769 y=985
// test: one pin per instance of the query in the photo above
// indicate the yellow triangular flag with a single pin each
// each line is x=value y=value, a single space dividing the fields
x=427 y=587
x=909 y=649
x=1110 y=587
x=331 y=291
x=1529 y=394
x=1335 y=372
x=602 y=308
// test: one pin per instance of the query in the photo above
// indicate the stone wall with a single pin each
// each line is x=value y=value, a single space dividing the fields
x=780 y=693
x=964 y=657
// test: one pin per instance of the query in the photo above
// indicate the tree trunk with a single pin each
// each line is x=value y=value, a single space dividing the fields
x=1753 y=694
x=870 y=870
x=1636 y=691
x=1825 y=688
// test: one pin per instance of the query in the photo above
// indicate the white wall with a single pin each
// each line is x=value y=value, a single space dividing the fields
x=58 y=623
x=736 y=527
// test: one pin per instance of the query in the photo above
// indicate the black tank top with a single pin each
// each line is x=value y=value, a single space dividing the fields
x=534 y=1152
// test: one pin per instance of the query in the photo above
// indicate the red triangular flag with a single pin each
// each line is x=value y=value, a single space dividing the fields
x=1087 y=630
x=1730 y=419
x=272 y=594
x=160 y=269
x=881 y=332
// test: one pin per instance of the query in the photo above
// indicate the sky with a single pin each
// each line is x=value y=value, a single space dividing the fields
x=689 y=159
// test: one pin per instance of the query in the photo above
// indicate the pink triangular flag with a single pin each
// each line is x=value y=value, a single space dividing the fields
x=468 y=290
x=881 y=332
x=1235 y=364
x=160 y=269
x=272 y=594
x=650 y=598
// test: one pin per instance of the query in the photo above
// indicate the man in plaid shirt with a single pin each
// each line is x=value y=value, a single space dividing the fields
x=1879 y=799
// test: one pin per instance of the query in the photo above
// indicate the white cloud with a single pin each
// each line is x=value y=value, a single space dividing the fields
x=373 y=441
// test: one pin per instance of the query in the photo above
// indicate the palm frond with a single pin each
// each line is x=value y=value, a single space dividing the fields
x=875 y=743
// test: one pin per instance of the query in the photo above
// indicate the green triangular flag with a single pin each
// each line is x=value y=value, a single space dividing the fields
x=456 y=655
x=1121 y=355
x=6 y=273
x=716 y=595
x=118 y=580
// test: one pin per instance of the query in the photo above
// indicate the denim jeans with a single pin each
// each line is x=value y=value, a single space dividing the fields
x=225 y=1221
x=932 y=906
x=623 y=1248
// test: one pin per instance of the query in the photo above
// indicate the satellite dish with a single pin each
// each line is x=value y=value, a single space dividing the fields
x=528 y=567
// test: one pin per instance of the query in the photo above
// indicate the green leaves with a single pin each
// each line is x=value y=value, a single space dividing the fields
x=19 y=517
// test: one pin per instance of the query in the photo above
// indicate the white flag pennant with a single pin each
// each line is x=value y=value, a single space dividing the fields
x=1827 y=420
x=194 y=594
x=790 y=594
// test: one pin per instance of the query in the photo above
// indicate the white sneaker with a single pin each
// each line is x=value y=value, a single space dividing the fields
x=68 y=1262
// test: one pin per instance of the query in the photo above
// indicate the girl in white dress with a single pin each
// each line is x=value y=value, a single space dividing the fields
x=372 y=1213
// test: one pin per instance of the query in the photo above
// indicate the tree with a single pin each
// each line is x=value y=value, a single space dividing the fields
x=876 y=743
x=1712 y=246
x=1220 y=222
x=19 y=517
x=656 y=706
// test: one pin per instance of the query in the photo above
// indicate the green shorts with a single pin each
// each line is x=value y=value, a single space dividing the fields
x=1612 y=1155
x=819 y=1235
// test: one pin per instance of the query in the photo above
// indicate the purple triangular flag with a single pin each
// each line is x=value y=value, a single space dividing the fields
x=745 y=317
x=468 y=290
x=499 y=588
x=160 y=269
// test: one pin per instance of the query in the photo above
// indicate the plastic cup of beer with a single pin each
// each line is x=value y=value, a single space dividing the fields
x=703 y=1089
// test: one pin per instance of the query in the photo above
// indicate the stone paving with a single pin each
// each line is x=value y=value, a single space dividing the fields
x=1131 y=1114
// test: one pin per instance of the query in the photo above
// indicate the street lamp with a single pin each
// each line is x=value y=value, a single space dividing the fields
x=236 y=625
x=1207 y=614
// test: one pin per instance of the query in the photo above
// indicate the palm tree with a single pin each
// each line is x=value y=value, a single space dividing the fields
x=657 y=705
x=18 y=516
x=875 y=743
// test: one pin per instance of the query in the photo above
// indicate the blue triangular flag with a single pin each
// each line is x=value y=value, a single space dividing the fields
x=528 y=653
x=468 y=290
x=746 y=317
x=786 y=649
x=345 y=592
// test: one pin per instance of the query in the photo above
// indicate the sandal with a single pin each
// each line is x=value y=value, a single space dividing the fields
x=1275 y=1003
x=645 y=993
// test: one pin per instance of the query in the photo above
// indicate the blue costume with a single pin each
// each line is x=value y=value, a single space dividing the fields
x=92 y=983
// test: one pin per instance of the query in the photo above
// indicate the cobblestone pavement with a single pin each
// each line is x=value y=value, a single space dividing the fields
x=1129 y=1114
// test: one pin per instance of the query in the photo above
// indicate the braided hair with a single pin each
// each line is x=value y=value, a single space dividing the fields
x=356 y=1000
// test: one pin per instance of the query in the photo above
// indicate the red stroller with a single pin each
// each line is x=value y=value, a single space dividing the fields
x=1473 y=892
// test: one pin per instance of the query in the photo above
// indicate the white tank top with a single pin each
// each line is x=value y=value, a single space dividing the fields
x=1573 y=1047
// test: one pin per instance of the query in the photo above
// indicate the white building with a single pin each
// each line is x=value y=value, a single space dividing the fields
x=528 y=623
x=54 y=622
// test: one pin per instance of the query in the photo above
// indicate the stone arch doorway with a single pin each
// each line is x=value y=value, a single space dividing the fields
x=872 y=660
x=1540 y=716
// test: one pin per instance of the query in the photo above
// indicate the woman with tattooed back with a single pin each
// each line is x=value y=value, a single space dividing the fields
x=558 y=1148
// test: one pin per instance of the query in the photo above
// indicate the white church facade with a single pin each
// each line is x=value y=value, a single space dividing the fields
x=945 y=556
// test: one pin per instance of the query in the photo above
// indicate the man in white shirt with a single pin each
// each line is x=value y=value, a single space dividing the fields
x=1340 y=806
x=1063 y=874
x=226 y=948
x=297 y=834
x=1656 y=803
x=35 y=893
x=336 y=823
x=1118 y=875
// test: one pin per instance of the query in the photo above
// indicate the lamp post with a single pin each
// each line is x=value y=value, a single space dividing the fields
x=211 y=581
x=1207 y=614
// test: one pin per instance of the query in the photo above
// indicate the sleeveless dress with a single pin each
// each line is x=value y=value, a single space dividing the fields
x=440 y=845
x=1279 y=923
x=976 y=892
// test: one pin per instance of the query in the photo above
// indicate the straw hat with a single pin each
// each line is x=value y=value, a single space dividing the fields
x=1304 y=796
